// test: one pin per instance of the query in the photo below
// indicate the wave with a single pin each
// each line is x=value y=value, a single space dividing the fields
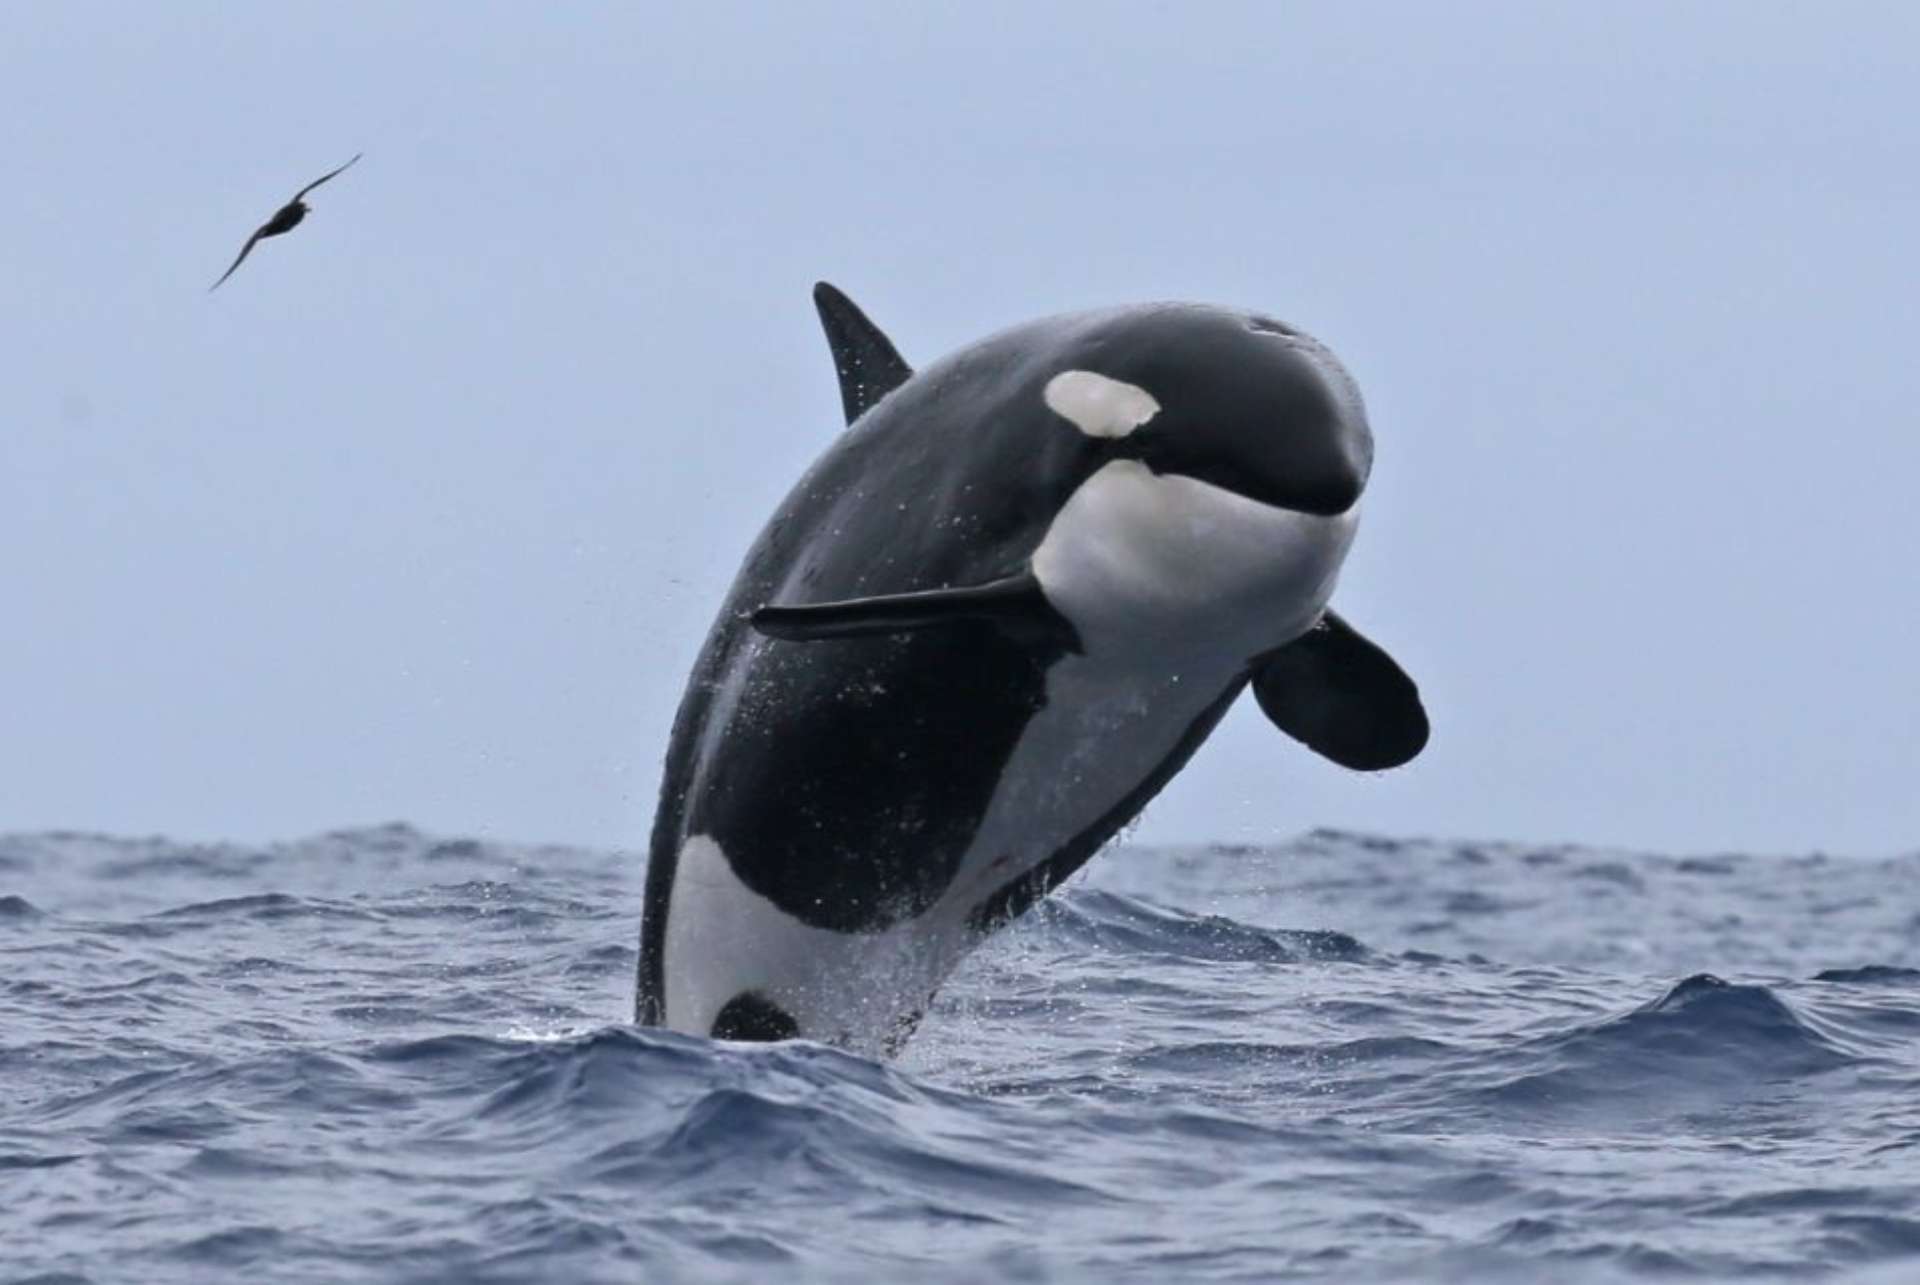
x=383 y=1055
x=266 y=907
x=1115 y=922
x=1704 y=1022
x=1704 y=1043
x=19 y=910
x=1870 y=975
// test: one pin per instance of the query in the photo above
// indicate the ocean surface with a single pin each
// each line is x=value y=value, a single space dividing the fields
x=383 y=1055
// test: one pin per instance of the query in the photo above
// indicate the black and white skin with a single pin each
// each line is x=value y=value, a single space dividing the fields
x=999 y=613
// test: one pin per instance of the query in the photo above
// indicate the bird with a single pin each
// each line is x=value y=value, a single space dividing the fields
x=284 y=219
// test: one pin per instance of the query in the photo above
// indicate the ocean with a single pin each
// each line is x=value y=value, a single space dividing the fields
x=384 y=1055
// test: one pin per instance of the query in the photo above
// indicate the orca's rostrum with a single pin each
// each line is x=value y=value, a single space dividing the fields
x=988 y=625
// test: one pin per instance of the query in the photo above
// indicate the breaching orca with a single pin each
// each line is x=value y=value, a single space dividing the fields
x=988 y=625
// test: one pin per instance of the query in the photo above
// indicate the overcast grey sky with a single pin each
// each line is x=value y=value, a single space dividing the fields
x=424 y=514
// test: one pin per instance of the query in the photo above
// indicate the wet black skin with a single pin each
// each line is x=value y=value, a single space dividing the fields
x=1232 y=380
x=844 y=763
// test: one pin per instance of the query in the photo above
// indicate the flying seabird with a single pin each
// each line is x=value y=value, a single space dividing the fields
x=285 y=219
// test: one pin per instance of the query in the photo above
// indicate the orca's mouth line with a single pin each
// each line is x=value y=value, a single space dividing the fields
x=1306 y=501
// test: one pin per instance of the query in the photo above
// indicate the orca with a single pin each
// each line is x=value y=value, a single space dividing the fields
x=996 y=616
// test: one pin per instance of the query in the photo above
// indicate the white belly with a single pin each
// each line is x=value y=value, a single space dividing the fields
x=1173 y=586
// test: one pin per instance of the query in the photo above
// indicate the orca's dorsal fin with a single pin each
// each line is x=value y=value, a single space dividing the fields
x=868 y=364
x=1015 y=603
x=1342 y=697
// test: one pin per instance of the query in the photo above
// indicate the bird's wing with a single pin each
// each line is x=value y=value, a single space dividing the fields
x=323 y=178
x=245 y=250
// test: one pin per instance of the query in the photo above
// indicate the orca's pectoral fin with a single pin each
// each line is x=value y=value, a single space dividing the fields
x=868 y=364
x=1014 y=603
x=1343 y=698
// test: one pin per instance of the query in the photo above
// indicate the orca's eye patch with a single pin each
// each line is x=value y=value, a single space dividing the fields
x=1099 y=405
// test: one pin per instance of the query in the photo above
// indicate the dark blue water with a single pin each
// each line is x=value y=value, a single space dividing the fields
x=381 y=1056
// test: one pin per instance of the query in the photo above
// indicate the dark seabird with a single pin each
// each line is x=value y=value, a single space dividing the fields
x=285 y=219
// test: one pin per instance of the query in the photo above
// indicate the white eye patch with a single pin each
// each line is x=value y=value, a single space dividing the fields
x=1099 y=406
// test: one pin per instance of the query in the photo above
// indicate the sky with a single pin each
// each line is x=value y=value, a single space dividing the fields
x=424 y=514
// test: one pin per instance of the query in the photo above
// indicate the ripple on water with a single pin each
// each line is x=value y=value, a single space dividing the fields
x=381 y=1055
